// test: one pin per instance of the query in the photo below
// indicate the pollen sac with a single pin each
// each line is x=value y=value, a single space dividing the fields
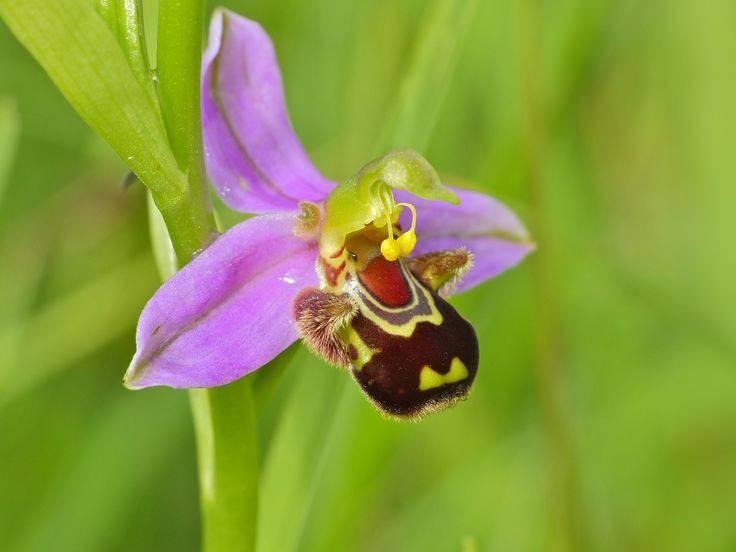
x=410 y=351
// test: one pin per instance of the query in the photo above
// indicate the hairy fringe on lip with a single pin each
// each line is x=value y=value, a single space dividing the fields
x=452 y=264
x=320 y=316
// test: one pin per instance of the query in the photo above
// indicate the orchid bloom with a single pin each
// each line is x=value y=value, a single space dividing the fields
x=358 y=270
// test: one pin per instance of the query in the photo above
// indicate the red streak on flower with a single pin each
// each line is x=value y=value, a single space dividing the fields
x=386 y=282
x=331 y=273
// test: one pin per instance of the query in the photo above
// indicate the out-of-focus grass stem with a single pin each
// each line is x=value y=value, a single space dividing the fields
x=565 y=524
x=47 y=343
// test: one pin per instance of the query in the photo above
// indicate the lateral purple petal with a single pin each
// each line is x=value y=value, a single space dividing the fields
x=253 y=156
x=481 y=224
x=227 y=312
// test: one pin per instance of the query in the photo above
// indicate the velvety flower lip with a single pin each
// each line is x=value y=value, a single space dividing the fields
x=231 y=309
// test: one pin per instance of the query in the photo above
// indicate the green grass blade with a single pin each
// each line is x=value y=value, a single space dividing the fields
x=9 y=131
x=428 y=75
x=32 y=350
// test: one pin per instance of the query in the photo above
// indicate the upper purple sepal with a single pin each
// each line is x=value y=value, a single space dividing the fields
x=229 y=311
x=253 y=157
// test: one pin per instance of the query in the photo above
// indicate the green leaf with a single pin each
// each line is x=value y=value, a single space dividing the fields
x=74 y=44
x=75 y=47
x=163 y=249
x=125 y=19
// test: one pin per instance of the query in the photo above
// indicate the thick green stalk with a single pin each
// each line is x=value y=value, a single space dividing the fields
x=225 y=424
x=224 y=418
x=189 y=222
x=179 y=52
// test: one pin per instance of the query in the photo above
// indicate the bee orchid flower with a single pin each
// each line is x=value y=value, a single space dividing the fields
x=359 y=270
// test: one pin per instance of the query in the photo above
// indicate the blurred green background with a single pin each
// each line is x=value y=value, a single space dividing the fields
x=604 y=413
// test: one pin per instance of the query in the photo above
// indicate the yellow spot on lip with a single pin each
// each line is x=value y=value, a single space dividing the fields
x=365 y=353
x=429 y=379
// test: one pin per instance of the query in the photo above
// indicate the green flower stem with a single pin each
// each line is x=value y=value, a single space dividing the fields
x=225 y=425
x=224 y=418
x=189 y=222
x=179 y=53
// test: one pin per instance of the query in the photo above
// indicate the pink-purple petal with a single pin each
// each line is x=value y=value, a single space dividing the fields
x=227 y=312
x=253 y=156
x=481 y=224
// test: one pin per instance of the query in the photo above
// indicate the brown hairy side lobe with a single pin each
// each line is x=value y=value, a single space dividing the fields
x=320 y=315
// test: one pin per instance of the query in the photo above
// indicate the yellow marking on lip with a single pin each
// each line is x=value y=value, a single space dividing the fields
x=429 y=379
x=365 y=353
x=406 y=329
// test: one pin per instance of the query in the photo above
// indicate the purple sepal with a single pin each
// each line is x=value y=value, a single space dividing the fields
x=253 y=156
x=229 y=311
x=481 y=224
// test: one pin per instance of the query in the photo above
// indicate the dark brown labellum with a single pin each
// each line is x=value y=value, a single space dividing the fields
x=410 y=350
